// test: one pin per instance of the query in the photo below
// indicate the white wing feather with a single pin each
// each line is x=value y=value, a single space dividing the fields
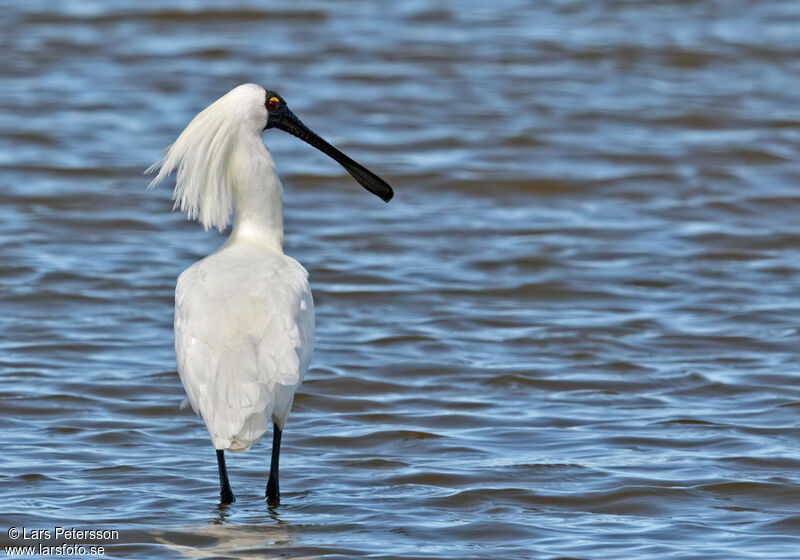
x=244 y=333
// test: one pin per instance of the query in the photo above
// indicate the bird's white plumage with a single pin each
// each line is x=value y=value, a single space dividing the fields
x=244 y=331
x=211 y=155
x=244 y=315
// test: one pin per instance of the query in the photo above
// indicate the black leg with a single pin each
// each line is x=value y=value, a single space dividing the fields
x=273 y=490
x=225 y=492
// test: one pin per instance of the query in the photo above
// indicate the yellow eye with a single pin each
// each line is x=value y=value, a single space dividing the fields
x=273 y=103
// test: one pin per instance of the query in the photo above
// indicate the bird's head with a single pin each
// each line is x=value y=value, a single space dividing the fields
x=201 y=152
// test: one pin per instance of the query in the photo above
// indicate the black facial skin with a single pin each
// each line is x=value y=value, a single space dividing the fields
x=281 y=117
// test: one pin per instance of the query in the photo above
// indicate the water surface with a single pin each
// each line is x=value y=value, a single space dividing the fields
x=573 y=333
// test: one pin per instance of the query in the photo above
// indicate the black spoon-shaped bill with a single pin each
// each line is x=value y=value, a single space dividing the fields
x=284 y=119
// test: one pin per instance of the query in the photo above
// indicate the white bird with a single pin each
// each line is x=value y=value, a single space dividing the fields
x=244 y=315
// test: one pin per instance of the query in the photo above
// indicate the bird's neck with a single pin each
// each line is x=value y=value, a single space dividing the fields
x=257 y=198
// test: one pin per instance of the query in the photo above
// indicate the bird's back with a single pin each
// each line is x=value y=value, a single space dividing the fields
x=244 y=332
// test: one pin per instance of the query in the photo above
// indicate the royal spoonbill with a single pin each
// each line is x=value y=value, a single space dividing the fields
x=244 y=315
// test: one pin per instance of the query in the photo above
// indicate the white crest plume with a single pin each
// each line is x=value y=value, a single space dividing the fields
x=202 y=156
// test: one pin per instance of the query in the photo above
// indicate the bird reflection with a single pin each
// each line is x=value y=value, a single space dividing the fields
x=267 y=537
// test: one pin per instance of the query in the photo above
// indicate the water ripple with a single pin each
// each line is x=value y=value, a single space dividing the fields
x=573 y=334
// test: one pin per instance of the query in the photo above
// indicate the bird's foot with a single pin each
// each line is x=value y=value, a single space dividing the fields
x=226 y=496
x=273 y=493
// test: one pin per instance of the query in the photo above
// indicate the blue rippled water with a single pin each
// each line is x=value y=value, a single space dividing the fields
x=573 y=333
